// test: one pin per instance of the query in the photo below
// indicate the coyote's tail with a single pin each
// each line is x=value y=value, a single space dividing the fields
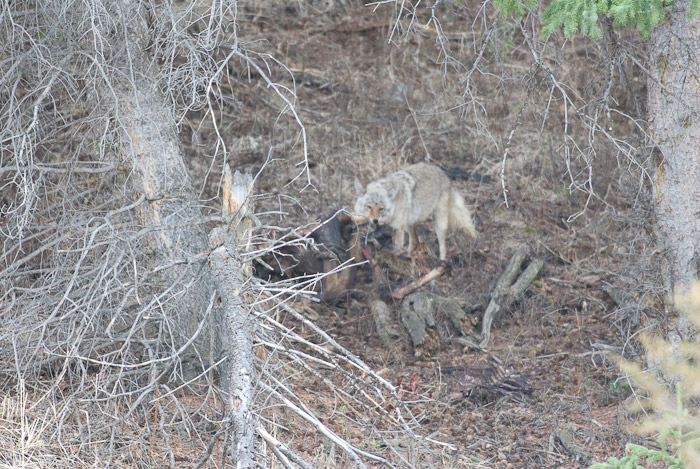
x=459 y=215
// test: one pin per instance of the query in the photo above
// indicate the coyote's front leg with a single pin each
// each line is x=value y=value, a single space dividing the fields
x=398 y=241
x=412 y=240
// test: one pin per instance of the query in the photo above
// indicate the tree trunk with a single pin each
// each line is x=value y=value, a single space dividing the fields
x=231 y=274
x=674 y=126
x=155 y=153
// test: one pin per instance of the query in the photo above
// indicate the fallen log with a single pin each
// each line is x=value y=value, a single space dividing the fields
x=507 y=290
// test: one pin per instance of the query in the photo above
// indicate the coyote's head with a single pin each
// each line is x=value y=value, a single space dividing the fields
x=375 y=203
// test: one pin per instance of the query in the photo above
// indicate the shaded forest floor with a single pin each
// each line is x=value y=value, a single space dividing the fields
x=369 y=108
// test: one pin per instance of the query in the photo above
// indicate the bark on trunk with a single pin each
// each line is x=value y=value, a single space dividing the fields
x=230 y=275
x=674 y=125
x=155 y=153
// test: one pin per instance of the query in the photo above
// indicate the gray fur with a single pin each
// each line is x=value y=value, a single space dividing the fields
x=410 y=196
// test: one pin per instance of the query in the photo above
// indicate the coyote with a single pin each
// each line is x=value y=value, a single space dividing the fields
x=408 y=197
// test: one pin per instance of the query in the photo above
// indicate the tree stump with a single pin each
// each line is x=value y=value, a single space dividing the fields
x=417 y=316
x=230 y=275
x=384 y=324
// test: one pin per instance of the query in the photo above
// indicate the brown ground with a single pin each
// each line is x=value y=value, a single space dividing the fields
x=349 y=84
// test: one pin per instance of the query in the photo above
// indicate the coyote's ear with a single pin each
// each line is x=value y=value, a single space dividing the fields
x=393 y=191
x=359 y=187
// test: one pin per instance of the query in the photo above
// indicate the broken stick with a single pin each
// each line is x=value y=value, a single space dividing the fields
x=399 y=293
